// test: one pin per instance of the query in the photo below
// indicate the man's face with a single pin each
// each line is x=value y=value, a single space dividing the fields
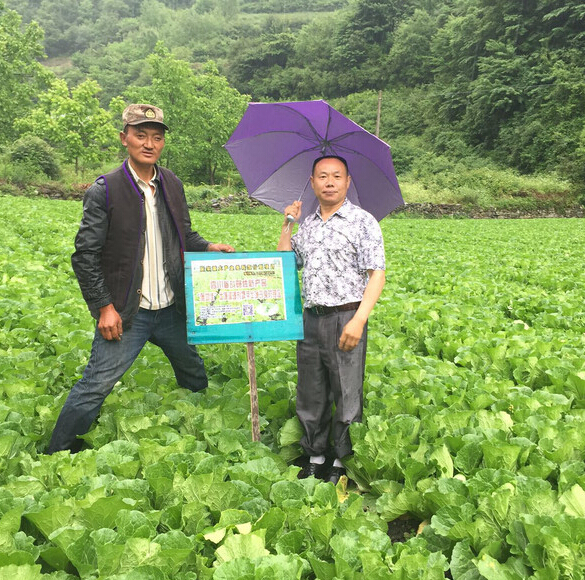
x=144 y=143
x=330 y=182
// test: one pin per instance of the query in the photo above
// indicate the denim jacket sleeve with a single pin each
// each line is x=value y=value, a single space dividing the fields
x=89 y=241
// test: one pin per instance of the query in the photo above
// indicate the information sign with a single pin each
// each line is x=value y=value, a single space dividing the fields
x=242 y=297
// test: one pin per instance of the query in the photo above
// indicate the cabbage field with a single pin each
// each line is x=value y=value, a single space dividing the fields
x=474 y=424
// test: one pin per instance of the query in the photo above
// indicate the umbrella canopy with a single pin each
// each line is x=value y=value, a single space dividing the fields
x=275 y=144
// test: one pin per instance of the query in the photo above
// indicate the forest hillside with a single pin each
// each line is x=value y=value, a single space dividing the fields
x=466 y=86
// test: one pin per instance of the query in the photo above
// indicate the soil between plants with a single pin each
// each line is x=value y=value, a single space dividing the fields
x=402 y=529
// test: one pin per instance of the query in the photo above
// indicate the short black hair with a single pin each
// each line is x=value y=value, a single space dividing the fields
x=338 y=157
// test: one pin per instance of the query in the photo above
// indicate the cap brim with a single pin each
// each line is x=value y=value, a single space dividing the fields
x=150 y=122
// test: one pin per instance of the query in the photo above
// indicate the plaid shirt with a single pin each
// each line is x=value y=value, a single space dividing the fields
x=335 y=255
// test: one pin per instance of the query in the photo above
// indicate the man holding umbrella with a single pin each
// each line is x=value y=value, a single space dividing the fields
x=341 y=251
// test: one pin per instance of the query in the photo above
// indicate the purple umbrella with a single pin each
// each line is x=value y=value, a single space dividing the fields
x=275 y=144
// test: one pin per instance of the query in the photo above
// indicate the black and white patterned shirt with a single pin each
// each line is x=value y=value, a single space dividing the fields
x=335 y=255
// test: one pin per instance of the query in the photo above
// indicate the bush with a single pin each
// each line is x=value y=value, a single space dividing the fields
x=36 y=155
x=21 y=174
x=436 y=179
x=215 y=198
x=573 y=166
x=199 y=195
x=405 y=151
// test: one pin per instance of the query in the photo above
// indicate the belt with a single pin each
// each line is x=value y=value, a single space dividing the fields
x=322 y=310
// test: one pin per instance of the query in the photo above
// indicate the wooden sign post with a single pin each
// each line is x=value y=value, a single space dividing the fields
x=243 y=297
x=254 y=411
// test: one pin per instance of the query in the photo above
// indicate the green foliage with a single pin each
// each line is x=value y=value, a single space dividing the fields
x=574 y=167
x=491 y=78
x=410 y=58
x=362 y=41
x=473 y=422
x=114 y=66
x=257 y=63
x=21 y=177
x=71 y=25
x=74 y=122
x=201 y=109
x=221 y=199
x=474 y=182
x=549 y=128
x=504 y=82
x=275 y=6
x=21 y=75
x=37 y=153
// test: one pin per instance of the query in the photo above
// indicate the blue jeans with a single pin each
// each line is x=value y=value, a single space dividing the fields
x=109 y=360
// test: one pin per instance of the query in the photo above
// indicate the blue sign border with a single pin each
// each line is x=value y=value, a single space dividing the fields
x=270 y=330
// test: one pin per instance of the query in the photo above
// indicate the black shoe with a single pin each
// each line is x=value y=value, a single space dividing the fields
x=311 y=470
x=335 y=474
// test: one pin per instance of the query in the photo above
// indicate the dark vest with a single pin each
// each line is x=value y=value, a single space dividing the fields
x=123 y=250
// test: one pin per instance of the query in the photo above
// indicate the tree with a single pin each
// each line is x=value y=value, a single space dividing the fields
x=546 y=132
x=223 y=108
x=35 y=153
x=505 y=81
x=74 y=123
x=114 y=67
x=21 y=75
x=496 y=94
x=410 y=61
x=201 y=109
x=562 y=23
x=61 y=21
x=363 y=40
x=310 y=63
x=255 y=62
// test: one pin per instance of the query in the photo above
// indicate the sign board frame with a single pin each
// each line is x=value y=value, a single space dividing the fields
x=199 y=275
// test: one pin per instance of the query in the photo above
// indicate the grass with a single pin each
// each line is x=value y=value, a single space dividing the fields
x=487 y=187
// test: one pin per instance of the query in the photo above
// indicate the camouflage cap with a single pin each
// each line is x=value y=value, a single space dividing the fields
x=138 y=114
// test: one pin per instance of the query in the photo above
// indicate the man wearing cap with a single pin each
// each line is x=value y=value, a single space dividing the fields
x=128 y=261
x=341 y=250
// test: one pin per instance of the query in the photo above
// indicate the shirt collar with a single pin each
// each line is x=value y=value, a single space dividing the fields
x=138 y=179
x=341 y=211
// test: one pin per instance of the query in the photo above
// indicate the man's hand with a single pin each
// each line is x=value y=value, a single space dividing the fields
x=293 y=210
x=351 y=334
x=220 y=248
x=110 y=323
x=354 y=329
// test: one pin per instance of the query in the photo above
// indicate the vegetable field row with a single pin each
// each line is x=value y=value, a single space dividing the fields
x=474 y=422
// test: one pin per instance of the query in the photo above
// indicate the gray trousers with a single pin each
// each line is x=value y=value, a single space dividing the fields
x=328 y=375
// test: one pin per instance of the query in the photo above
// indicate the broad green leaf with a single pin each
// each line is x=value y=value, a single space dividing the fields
x=24 y=572
x=51 y=518
x=574 y=501
x=242 y=546
x=491 y=569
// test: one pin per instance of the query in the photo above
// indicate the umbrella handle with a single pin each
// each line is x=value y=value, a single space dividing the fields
x=289 y=218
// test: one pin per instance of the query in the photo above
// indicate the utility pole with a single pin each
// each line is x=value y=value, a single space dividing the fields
x=379 y=112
